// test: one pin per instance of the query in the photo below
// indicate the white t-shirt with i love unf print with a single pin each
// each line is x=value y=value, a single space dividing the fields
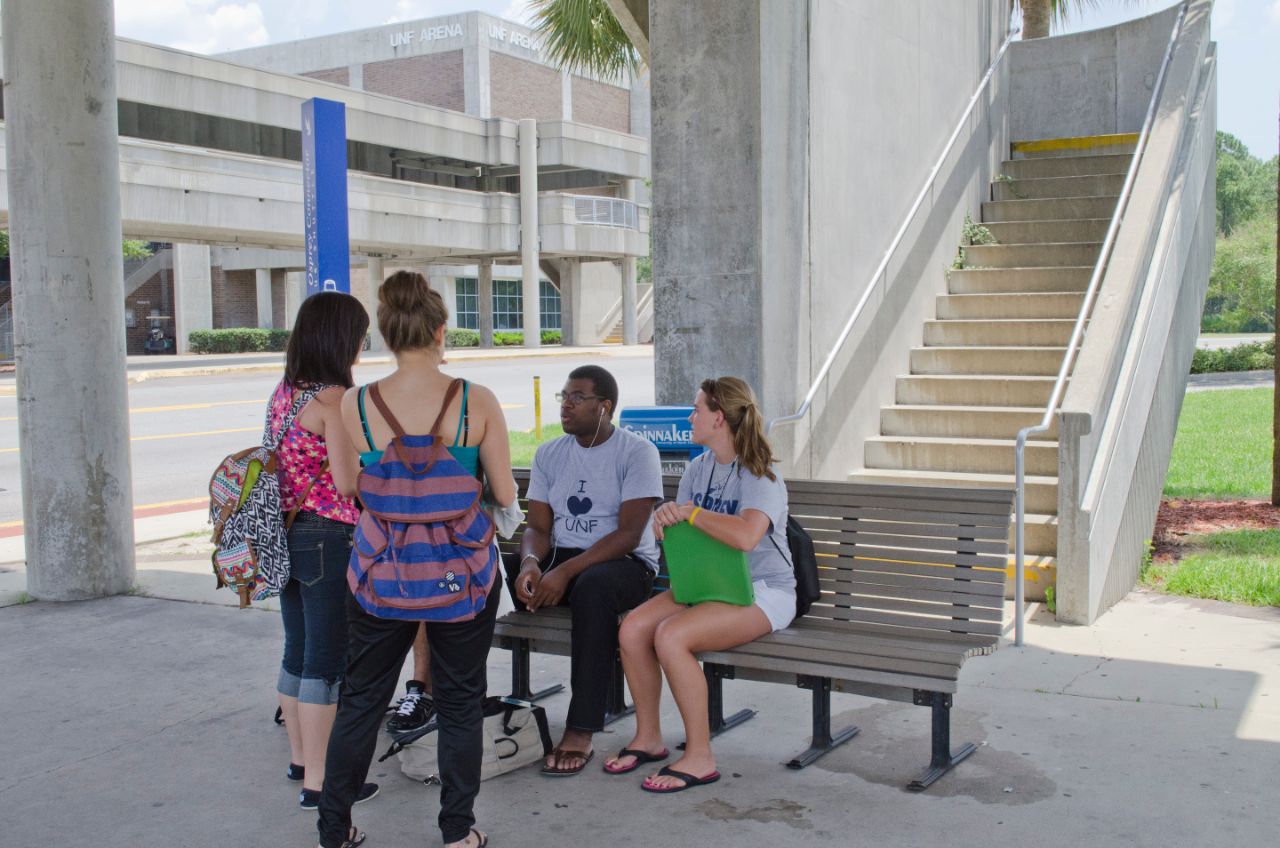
x=586 y=487
x=731 y=489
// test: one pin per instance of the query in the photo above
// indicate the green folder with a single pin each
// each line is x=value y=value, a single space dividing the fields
x=704 y=569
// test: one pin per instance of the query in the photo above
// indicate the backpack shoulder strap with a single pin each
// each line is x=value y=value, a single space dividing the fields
x=385 y=411
x=364 y=419
x=444 y=407
x=272 y=441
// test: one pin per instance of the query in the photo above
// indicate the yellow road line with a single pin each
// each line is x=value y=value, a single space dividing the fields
x=180 y=406
x=176 y=436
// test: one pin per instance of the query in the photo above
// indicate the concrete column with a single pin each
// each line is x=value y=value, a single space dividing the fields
x=730 y=104
x=484 y=288
x=192 y=292
x=529 y=231
x=262 y=279
x=295 y=291
x=566 y=95
x=476 y=77
x=355 y=76
x=68 y=291
x=630 y=319
x=373 y=270
x=570 y=291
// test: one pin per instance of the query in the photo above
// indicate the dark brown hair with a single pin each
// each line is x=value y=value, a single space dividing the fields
x=735 y=399
x=326 y=339
x=410 y=312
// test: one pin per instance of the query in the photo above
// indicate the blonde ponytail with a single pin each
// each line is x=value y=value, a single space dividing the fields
x=735 y=399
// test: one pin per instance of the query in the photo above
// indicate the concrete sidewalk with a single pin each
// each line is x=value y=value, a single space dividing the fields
x=145 y=722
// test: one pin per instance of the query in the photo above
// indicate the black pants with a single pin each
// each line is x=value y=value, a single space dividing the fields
x=596 y=598
x=376 y=648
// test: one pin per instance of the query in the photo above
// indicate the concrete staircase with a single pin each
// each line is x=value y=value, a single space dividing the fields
x=992 y=353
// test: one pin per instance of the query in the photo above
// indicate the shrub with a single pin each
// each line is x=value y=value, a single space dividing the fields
x=462 y=338
x=1251 y=356
x=510 y=339
x=238 y=340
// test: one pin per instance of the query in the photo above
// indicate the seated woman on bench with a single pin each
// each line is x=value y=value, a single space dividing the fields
x=730 y=493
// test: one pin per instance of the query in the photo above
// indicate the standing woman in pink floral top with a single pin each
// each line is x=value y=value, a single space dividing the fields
x=317 y=467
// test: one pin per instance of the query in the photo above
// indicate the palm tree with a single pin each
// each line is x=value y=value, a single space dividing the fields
x=1038 y=15
x=584 y=35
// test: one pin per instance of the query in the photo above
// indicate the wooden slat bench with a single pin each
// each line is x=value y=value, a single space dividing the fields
x=913 y=585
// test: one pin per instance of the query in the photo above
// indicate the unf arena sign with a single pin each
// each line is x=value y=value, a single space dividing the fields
x=439 y=32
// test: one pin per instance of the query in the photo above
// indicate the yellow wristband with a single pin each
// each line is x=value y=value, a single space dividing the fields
x=694 y=514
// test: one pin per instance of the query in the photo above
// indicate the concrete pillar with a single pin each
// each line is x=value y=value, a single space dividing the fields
x=484 y=290
x=192 y=292
x=262 y=279
x=68 y=291
x=730 y=108
x=570 y=291
x=373 y=270
x=566 y=95
x=355 y=76
x=529 y=232
x=295 y=291
x=475 y=78
x=630 y=319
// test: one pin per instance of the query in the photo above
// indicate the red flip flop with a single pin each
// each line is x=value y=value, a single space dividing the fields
x=690 y=781
x=642 y=757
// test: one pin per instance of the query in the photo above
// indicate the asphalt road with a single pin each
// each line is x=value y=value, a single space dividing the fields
x=180 y=427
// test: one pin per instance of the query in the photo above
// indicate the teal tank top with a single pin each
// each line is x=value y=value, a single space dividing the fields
x=467 y=457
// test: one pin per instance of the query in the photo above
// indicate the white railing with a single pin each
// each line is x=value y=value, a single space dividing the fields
x=882 y=268
x=6 y=332
x=644 y=301
x=606 y=211
x=1077 y=333
x=161 y=260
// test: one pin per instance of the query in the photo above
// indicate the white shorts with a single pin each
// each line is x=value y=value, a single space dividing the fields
x=779 y=605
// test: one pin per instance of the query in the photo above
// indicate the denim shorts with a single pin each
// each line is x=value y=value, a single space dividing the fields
x=312 y=608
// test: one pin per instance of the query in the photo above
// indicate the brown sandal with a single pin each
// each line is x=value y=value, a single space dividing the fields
x=560 y=754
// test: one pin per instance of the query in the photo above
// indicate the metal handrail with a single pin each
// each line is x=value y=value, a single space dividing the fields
x=1059 y=386
x=803 y=409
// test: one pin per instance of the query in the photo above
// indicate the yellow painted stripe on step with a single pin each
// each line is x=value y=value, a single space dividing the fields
x=1083 y=142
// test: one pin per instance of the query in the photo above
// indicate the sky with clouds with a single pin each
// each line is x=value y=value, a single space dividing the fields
x=1247 y=32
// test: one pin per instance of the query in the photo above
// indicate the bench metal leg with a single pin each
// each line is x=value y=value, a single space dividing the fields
x=716 y=720
x=943 y=760
x=617 y=706
x=823 y=741
x=520 y=677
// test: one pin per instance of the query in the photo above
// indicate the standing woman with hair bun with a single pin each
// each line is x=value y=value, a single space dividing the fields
x=412 y=319
x=732 y=494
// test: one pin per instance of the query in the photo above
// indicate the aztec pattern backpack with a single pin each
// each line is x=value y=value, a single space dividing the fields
x=424 y=545
x=251 y=550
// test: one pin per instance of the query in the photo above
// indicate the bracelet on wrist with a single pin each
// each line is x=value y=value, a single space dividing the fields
x=694 y=514
x=536 y=559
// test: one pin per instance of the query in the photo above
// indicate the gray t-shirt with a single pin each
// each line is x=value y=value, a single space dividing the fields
x=585 y=488
x=730 y=489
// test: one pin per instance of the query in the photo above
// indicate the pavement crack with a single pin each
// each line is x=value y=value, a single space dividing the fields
x=1102 y=661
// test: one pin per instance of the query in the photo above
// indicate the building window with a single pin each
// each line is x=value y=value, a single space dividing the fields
x=549 y=305
x=467 y=312
x=507 y=305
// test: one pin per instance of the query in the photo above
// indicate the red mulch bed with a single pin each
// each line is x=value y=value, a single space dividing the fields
x=1178 y=519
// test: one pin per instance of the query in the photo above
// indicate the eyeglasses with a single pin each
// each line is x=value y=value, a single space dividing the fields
x=575 y=398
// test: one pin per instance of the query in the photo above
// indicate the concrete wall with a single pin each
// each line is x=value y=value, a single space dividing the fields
x=786 y=152
x=1089 y=83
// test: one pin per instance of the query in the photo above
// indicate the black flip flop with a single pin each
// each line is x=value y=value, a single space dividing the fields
x=642 y=757
x=559 y=754
x=690 y=781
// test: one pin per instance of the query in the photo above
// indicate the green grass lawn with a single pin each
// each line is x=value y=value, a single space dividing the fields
x=1223 y=446
x=1241 y=566
x=523 y=444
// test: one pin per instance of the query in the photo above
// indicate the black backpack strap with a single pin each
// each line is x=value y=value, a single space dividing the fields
x=271 y=441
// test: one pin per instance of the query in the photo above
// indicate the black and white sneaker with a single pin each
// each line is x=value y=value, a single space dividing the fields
x=309 y=799
x=413 y=711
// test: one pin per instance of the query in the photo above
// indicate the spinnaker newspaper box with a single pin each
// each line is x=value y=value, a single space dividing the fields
x=668 y=428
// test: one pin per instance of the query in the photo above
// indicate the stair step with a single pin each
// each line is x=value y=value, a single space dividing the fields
x=1031 y=255
x=1087 y=145
x=1041 y=492
x=1038 y=573
x=1048 y=210
x=1003 y=306
x=1039 y=232
x=1090 y=185
x=937 y=453
x=1063 y=278
x=1008 y=360
x=972 y=390
x=1040 y=536
x=1066 y=166
x=980 y=422
x=1043 y=332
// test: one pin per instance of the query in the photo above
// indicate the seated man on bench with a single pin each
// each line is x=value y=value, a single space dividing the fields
x=588 y=544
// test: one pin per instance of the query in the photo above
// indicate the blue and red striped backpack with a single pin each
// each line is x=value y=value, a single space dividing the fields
x=424 y=545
